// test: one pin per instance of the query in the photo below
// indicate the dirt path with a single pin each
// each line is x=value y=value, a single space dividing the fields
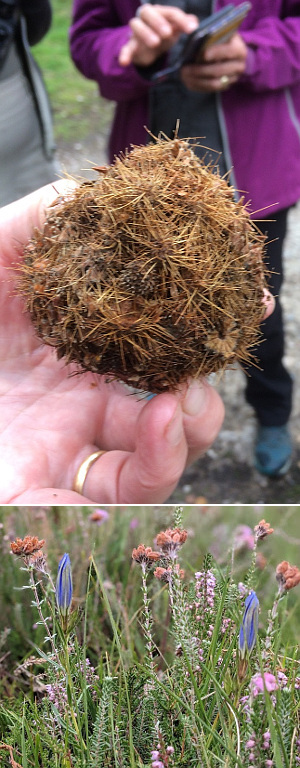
x=226 y=474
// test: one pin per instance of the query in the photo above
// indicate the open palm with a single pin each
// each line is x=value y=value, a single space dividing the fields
x=52 y=417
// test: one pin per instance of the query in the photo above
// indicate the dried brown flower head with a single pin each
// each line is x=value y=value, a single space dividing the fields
x=262 y=529
x=145 y=555
x=152 y=273
x=288 y=576
x=27 y=546
x=171 y=540
x=260 y=561
x=165 y=574
x=30 y=548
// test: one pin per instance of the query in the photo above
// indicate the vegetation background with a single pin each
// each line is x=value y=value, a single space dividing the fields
x=78 y=110
x=83 y=699
x=71 y=529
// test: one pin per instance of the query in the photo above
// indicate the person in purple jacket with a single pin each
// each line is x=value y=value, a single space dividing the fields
x=244 y=100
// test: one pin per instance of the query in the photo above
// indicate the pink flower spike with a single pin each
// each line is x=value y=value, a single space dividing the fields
x=250 y=744
x=260 y=682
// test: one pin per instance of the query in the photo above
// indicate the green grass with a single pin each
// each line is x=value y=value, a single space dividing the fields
x=68 y=529
x=77 y=108
x=168 y=664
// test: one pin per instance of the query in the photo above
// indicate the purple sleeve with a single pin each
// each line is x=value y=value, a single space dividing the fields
x=96 y=38
x=273 y=60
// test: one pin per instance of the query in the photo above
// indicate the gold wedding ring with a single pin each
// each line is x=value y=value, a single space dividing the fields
x=224 y=81
x=81 y=473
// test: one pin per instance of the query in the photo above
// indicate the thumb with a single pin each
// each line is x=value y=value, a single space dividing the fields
x=18 y=219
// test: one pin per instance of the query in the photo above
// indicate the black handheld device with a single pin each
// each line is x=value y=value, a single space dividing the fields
x=217 y=28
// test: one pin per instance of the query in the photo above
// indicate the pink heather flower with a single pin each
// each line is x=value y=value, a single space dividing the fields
x=99 y=516
x=134 y=523
x=267 y=738
x=243 y=537
x=282 y=678
x=260 y=682
x=250 y=744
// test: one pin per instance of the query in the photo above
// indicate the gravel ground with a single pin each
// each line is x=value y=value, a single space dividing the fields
x=226 y=473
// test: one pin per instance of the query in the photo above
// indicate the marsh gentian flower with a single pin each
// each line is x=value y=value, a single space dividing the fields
x=249 y=626
x=64 y=588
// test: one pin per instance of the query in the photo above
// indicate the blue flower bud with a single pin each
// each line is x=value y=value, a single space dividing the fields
x=64 y=588
x=249 y=626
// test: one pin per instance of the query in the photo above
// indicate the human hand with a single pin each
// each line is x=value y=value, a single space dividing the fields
x=222 y=66
x=154 y=30
x=51 y=420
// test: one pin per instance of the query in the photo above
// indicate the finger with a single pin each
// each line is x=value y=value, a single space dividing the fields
x=168 y=18
x=117 y=423
x=269 y=303
x=18 y=219
x=207 y=85
x=153 y=32
x=128 y=52
x=50 y=496
x=234 y=48
x=152 y=471
x=217 y=53
x=203 y=414
x=212 y=71
x=147 y=34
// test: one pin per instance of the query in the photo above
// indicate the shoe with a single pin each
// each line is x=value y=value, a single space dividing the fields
x=273 y=451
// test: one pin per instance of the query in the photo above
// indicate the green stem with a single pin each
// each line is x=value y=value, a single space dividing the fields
x=71 y=692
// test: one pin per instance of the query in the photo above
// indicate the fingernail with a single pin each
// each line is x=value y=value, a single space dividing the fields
x=192 y=23
x=174 y=427
x=195 y=398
